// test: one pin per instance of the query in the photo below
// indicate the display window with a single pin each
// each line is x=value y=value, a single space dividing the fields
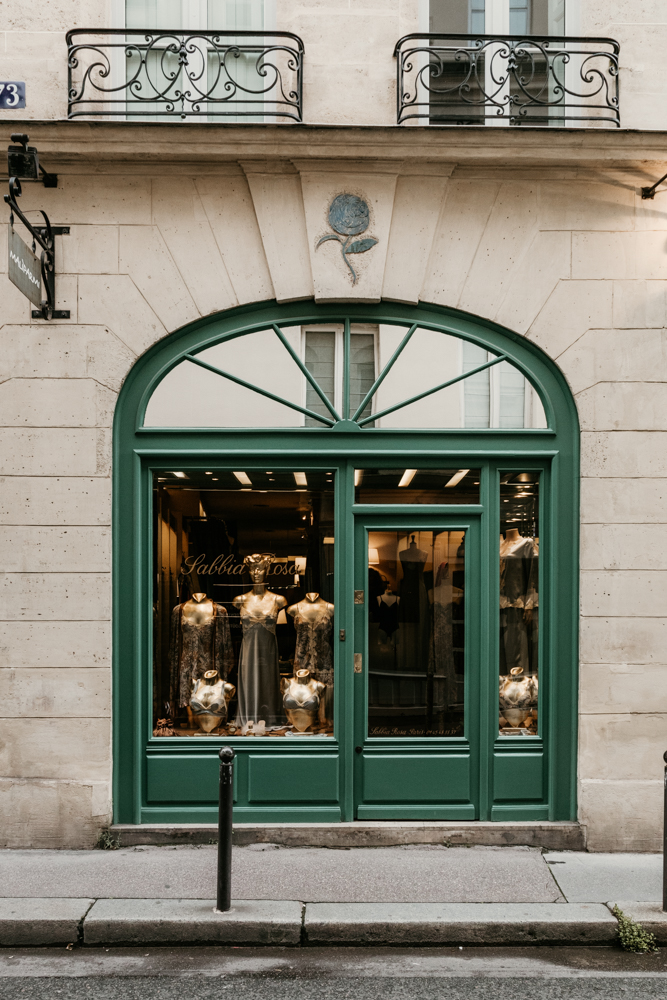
x=244 y=609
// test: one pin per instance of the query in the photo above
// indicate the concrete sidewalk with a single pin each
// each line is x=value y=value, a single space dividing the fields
x=410 y=895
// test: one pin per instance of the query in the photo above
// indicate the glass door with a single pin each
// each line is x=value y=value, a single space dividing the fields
x=417 y=667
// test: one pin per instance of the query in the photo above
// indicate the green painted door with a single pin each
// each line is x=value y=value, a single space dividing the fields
x=417 y=666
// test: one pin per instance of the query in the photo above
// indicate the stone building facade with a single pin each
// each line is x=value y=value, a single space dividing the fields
x=540 y=231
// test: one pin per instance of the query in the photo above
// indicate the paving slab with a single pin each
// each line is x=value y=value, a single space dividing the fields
x=193 y=921
x=596 y=878
x=458 y=923
x=424 y=873
x=35 y=921
x=650 y=915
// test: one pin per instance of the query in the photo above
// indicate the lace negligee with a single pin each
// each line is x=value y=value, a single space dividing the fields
x=194 y=649
x=313 y=644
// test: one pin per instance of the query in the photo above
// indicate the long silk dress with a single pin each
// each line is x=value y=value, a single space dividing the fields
x=259 y=675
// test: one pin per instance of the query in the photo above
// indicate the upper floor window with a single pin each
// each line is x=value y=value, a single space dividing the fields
x=193 y=15
x=490 y=17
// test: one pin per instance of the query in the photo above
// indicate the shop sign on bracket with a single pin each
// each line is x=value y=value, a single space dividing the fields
x=24 y=268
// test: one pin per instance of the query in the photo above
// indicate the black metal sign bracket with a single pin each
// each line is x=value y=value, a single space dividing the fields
x=23 y=162
x=649 y=192
x=44 y=237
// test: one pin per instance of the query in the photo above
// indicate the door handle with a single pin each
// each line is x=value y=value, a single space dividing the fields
x=357 y=663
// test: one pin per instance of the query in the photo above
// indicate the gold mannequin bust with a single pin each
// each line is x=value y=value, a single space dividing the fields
x=302 y=696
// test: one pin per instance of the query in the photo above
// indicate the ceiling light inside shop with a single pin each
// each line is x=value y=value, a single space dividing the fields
x=457 y=477
x=358 y=476
x=243 y=477
x=208 y=473
x=179 y=475
x=300 y=478
x=215 y=479
x=407 y=477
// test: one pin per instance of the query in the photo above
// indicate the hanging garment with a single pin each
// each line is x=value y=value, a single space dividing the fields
x=196 y=648
x=441 y=653
x=388 y=616
x=259 y=675
x=518 y=575
x=414 y=618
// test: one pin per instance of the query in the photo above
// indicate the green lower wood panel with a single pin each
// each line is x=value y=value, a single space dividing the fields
x=292 y=778
x=520 y=813
x=518 y=777
x=463 y=811
x=418 y=778
x=187 y=778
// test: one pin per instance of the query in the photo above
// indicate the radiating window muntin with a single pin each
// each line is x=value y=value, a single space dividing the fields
x=388 y=376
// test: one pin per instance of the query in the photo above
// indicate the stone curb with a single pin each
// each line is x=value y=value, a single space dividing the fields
x=193 y=921
x=291 y=923
x=458 y=923
x=42 y=921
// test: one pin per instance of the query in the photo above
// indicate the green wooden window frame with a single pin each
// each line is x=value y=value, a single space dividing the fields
x=344 y=444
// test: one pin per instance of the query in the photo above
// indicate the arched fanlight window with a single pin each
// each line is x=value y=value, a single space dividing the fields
x=385 y=375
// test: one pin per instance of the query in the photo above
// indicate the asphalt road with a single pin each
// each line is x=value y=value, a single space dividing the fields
x=331 y=974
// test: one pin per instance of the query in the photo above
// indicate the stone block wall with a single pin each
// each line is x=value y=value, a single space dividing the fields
x=572 y=259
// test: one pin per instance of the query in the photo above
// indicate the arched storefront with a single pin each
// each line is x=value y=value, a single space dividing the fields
x=373 y=456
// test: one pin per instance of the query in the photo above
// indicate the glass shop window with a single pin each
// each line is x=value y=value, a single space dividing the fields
x=519 y=603
x=407 y=486
x=416 y=633
x=243 y=603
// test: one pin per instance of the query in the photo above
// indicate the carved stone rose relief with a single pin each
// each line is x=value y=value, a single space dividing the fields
x=349 y=217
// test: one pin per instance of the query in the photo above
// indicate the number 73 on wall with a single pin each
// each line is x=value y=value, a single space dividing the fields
x=12 y=94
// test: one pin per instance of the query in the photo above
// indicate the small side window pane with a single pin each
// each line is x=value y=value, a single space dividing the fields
x=519 y=604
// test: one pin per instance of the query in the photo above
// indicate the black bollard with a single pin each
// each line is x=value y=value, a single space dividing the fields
x=225 y=809
x=664 y=845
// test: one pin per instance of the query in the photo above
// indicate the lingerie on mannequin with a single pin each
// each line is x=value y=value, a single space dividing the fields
x=259 y=674
x=313 y=621
x=199 y=641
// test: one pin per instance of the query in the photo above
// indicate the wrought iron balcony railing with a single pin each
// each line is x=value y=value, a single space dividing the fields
x=510 y=80
x=232 y=75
